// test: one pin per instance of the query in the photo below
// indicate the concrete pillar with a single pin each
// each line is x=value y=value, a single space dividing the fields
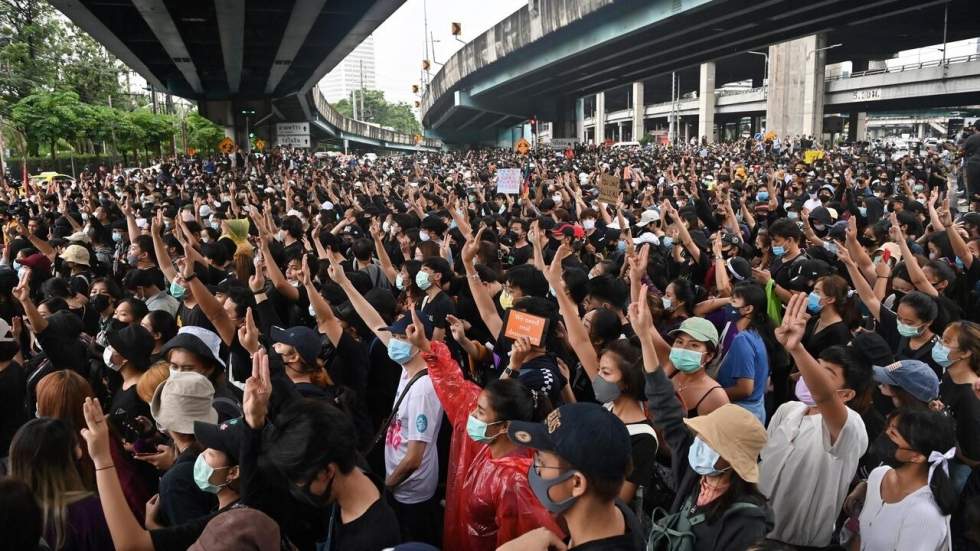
x=796 y=91
x=857 y=127
x=638 y=109
x=922 y=130
x=706 y=102
x=580 y=119
x=600 y=118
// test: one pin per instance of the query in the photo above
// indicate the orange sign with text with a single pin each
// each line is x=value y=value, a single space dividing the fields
x=521 y=324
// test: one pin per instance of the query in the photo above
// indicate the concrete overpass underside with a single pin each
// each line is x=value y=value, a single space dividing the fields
x=626 y=42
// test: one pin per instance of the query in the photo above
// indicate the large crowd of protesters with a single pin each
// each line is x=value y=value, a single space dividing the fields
x=764 y=344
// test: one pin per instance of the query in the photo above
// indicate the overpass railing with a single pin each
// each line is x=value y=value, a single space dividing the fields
x=909 y=67
x=351 y=126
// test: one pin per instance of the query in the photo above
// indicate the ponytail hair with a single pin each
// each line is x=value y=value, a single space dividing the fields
x=927 y=432
x=515 y=402
x=836 y=287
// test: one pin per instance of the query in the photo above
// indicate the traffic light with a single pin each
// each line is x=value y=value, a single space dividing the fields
x=425 y=65
x=415 y=88
x=457 y=29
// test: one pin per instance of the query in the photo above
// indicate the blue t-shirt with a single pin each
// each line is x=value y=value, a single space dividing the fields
x=747 y=359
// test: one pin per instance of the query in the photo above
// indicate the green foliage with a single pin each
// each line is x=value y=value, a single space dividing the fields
x=203 y=134
x=46 y=117
x=379 y=111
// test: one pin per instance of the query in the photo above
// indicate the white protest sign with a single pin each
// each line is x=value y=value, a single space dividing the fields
x=509 y=180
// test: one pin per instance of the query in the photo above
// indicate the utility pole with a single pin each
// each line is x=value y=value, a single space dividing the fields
x=112 y=130
x=425 y=35
x=362 y=88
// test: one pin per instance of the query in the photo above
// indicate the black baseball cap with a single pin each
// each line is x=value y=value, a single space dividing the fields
x=586 y=435
x=399 y=327
x=306 y=341
x=225 y=437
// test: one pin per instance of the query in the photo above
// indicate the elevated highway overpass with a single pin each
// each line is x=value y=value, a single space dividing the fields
x=245 y=62
x=908 y=87
x=547 y=57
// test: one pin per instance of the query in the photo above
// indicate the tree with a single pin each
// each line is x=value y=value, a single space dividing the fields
x=398 y=116
x=91 y=71
x=203 y=134
x=46 y=117
x=30 y=50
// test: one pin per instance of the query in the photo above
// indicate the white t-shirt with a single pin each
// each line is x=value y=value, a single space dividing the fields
x=805 y=477
x=418 y=419
x=913 y=524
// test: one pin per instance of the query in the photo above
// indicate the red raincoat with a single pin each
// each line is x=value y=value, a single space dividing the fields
x=488 y=501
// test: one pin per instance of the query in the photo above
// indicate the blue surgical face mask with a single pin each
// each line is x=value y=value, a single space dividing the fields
x=667 y=241
x=477 y=430
x=203 y=473
x=793 y=215
x=813 y=303
x=940 y=354
x=908 y=331
x=621 y=246
x=831 y=247
x=17 y=266
x=762 y=196
x=400 y=351
x=863 y=211
x=540 y=487
x=778 y=250
x=400 y=282
x=667 y=303
x=687 y=361
x=424 y=235
x=116 y=237
x=177 y=290
x=423 y=280
x=960 y=264
x=702 y=458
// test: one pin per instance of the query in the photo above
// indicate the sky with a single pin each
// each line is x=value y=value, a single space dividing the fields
x=399 y=45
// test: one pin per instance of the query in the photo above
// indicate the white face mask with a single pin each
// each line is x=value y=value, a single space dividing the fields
x=107 y=358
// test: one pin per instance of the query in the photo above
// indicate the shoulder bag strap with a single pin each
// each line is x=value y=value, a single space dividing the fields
x=394 y=410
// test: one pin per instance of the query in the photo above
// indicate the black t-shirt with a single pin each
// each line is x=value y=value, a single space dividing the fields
x=519 y=255
x=632 y=540
x=193 y=316
x=834 y=334
x=13 y=390
x=437 y=308
x=376 y=529
x=347 y=363
x=971 y=147
x=964 y=406
x=128 y=402
x=779 y=269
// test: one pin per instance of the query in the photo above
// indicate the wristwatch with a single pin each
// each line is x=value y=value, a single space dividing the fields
x=508 y=371
x=190 y=277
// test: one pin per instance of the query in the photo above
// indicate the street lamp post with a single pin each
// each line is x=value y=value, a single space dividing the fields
x=832 y=46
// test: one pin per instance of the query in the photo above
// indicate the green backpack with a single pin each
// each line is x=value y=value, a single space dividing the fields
x=675 y=532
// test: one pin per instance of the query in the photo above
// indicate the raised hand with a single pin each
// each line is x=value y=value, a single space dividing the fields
x=457 y=327
x=415 y=333
x=22 y=292
x=791 y=331
x=639 y=314
x=258 y=389
x=248 y=333
x=96 y=433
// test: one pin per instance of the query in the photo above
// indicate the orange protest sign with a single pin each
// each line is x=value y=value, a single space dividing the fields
x=521 y=324
x=522 y=146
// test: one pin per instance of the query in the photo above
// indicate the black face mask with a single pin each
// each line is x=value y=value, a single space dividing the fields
x=303 y=494
x=898 y=296
x=99 y=302
x=884 y=449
